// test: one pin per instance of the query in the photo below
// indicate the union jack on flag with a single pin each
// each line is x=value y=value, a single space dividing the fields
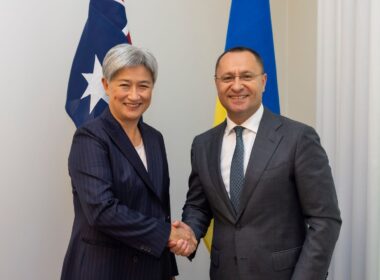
x=106 y=27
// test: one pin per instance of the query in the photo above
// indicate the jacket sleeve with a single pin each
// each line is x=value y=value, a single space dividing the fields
x=91 y=175
x=319 y=203
x=196 y=212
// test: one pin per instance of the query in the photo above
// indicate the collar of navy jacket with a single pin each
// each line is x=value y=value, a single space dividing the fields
x=121 y=140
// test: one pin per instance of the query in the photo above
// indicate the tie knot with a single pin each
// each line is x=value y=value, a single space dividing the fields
x=238 y=131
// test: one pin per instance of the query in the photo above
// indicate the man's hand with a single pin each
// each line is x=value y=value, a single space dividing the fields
x=182 y=240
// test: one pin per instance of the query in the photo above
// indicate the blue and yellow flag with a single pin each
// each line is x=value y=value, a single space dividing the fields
x=250 y=26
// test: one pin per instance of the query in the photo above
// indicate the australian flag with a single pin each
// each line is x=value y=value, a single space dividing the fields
x=106 y=27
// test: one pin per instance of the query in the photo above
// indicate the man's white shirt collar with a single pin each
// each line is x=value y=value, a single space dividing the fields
x=252 y=123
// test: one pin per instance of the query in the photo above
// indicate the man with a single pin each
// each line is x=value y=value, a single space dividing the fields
x=266 y=181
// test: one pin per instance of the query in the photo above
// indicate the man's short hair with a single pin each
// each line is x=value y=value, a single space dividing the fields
x=242 y=49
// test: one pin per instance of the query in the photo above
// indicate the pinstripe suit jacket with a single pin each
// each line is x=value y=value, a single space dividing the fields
x=289 y=218
x=122 y=213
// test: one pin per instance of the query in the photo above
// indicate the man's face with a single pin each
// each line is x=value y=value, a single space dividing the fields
x=240 y=83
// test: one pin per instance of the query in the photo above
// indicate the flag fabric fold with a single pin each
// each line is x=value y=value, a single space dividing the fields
x=105 y=27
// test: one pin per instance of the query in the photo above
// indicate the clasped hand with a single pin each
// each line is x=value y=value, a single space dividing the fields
x=182 y=239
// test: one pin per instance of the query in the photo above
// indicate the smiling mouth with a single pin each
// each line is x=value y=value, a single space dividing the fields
x=238 y=97
x=132 y=105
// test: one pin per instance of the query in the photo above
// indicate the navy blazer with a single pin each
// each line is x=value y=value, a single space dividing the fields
x=122 y=213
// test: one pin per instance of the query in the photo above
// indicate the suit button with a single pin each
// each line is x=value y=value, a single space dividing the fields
x=135 y=259
x=238 y=226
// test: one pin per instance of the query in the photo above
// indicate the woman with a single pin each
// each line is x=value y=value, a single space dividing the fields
x=120 y=181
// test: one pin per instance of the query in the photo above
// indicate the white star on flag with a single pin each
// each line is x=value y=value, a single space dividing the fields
x=125 y=29
x=95 y=87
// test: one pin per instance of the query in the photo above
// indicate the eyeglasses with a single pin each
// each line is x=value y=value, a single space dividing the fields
x=245 y=77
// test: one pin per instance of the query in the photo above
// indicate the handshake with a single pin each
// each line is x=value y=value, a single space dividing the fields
x=182 y=239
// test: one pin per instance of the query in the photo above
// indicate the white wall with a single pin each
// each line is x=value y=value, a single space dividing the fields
x=37 y=45
x=302 y=60
x=38 y=42
x=295 y=34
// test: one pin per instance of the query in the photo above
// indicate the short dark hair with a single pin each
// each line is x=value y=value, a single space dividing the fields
x=241 y=49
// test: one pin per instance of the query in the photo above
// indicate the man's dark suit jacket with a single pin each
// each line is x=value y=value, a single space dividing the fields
x=122 y=213
x=289 y=219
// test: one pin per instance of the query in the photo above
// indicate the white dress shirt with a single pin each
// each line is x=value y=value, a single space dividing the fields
x=141 y=152
x=251 y=126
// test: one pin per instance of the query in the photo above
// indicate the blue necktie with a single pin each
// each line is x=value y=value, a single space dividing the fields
x=237 y=169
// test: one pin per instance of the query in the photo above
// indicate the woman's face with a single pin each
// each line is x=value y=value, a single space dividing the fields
x=130 y=93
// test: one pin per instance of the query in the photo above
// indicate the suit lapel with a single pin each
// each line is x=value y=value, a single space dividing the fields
x=266 y=143
x=121 y=140
x=154 y=159
x=216 y=175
